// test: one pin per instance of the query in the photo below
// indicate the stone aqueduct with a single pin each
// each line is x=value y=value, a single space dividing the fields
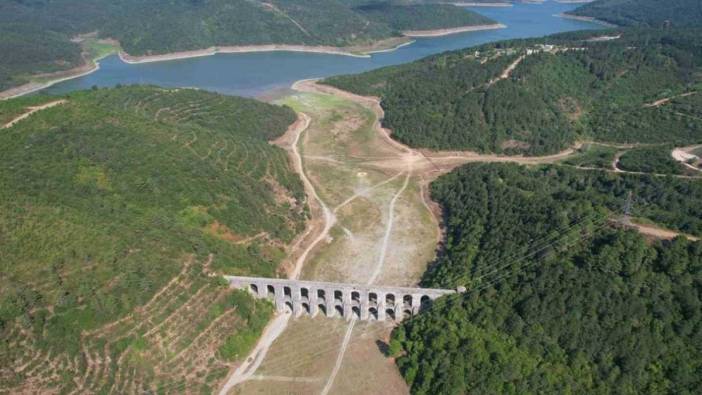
x=364 y=302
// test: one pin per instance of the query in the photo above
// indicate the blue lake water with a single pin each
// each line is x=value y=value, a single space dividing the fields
x=253 y=74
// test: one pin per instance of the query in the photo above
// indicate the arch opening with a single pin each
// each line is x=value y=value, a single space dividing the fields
x=287 y=291
x=373 y=313
x=289 y=307
x=306 y=308
x=373 y=297
x=321 y=294
x=390 y=314
x=356 y=296
x=322 y=309
x=425 y=301
x=390 y=299
x=339 y=311
x=338 y=296
x=271 y=291
x=356 y=312
x=407 y=300
x=304 y=292
x=253 y=288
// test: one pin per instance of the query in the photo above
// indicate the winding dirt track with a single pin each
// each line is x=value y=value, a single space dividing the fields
x=276 y=327
x=371 y=280
x=399 y=160
x=329 y=218
x=31 y=111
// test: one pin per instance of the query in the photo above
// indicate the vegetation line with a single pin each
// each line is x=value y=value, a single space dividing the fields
x=455 y=30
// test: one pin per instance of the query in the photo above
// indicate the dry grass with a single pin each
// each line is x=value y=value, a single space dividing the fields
x=168 y=345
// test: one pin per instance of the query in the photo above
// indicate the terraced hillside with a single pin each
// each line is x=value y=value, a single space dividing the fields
x=540 y=96
x=116 y=206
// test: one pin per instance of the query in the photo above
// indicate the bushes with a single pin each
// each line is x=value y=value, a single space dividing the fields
x=255 y=314
x=104 y=198
x=651 y=160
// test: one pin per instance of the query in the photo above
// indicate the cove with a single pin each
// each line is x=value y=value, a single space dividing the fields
x=255 y=74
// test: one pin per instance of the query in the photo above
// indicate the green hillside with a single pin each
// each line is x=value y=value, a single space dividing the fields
x=421 y=16
x=560 y=300
x=539 y=96
x=652 y=13
x=38 y=33
x=115 y=208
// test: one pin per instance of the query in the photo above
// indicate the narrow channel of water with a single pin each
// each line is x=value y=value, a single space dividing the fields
x=254 y=74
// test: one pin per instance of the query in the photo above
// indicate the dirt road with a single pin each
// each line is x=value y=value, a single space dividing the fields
x=381 y=230
x=31 y=111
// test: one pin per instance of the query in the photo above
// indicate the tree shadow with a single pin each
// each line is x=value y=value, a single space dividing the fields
x=383 y=347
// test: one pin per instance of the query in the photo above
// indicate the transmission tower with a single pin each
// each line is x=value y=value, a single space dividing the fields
x=628 y=206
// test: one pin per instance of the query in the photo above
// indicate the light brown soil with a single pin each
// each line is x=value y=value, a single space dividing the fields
x=656 y=232
x=318 y=225
x=385 y=229
x=455 y=30
x=666 y=100
x=32 y=110
x=176 y=352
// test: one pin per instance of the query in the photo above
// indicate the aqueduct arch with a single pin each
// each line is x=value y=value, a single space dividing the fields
x=365 y=302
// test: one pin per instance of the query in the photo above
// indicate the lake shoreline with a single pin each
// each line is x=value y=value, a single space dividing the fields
x=126 y=58
x=61 y=76
x=586 y=19
x=387 y=45
x=470 y=4
x=382 y=46
x=449 y=31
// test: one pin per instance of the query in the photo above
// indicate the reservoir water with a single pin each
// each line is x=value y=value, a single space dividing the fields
x=253 y=74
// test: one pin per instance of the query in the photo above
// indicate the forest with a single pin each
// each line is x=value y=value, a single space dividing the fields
x=39 y=33
x=655 y=159
x=420 y=16
x=651 y=13
x=560 y=298
x=539 y=96
x=115 y=208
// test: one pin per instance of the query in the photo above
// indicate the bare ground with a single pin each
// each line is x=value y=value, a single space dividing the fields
x=32 y=110
x=385 y=231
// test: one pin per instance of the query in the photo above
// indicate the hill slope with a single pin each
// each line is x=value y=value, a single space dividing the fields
x=115 y=205
x=539 y=96
x=421 y=16
x=559 y=301
x=38 y=33
x=651 y=13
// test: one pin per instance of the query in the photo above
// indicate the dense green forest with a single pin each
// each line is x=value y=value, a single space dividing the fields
x=558 y=89
x=652 y=13
x=114 y=208
x=560 y=300
x=420 y=16
x=38 y=33
x=651 y=160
